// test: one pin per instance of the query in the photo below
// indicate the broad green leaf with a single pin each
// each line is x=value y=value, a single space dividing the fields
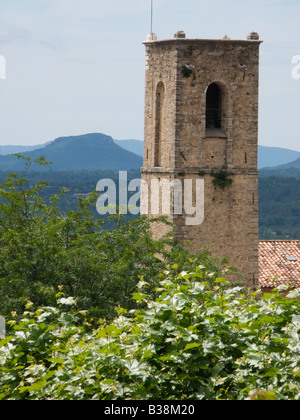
x=192 y=346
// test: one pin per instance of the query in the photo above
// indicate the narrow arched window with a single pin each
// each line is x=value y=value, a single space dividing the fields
x=213 y=106
x=159 y=101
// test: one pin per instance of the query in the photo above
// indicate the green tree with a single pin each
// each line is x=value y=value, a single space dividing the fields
x=43 y=250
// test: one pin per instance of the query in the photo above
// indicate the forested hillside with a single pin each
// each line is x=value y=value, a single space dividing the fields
x=279 y=208
x=279 y=198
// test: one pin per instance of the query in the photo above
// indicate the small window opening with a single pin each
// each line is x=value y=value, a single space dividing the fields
x=213 y=106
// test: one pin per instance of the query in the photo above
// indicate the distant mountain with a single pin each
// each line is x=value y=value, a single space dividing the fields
x=267 y=156
x=280 y=173
x=9 y=150
x=290 y=165
x=134 y=146
x=289 y=170
x=86 y=152
x=274 y=156
x=91 y=150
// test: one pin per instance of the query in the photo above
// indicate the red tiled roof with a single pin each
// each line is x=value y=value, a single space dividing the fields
x=279 y=263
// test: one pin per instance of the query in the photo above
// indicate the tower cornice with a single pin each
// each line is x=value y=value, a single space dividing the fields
x=201 y=41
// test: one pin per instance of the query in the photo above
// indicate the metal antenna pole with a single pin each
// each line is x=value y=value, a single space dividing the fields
x=151 y=16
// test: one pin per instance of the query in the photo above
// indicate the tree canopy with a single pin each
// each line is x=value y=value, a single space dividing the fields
x=112 y=314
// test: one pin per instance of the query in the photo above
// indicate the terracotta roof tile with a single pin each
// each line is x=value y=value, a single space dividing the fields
x=279 y=263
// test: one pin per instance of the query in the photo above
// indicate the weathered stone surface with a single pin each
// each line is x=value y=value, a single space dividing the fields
x=185 y=68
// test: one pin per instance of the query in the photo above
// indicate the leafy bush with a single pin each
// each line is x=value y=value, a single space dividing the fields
x=42 y=249
x=182 y=331
x=194 y=341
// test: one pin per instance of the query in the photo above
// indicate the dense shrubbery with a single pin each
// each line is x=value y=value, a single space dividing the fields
x=41 y=249
x=180 y=330
x=194 y=341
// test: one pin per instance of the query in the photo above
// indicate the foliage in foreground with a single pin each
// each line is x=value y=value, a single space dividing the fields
x=192 y=342
x=42 y=249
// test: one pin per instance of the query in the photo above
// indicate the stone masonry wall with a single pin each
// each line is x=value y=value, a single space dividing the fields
x=190 y=151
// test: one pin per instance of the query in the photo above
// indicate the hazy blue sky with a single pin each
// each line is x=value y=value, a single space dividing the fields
x=77 y=66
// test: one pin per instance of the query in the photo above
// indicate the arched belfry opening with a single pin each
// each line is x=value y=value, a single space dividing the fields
x=213 y=106
x=159 y=108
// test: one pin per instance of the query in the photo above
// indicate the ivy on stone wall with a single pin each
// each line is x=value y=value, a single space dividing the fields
x=221 y=179
x=186 y=71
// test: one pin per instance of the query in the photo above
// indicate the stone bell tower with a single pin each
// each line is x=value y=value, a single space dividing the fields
x=201 y=123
